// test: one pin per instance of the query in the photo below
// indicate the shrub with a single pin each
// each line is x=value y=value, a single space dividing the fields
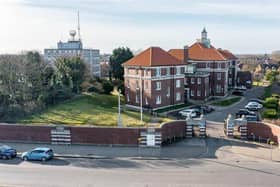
x=271 y=102
x=270 y=113
x=107 y=87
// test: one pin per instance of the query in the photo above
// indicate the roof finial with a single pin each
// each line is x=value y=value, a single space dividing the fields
x=204 y=30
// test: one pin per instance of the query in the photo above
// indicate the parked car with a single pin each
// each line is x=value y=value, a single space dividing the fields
x=245 y=112
x=192 y=112
x=252 y=118
x=237 y=92
x=253 y=106
x=203 y=108
x=40 y=153
x=257 y=101
x=6 y=152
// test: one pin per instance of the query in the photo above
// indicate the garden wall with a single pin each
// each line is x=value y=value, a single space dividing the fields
x=264 y=130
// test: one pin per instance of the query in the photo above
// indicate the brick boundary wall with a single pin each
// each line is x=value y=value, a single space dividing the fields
x=173 y=129
x=88 y=135
x=105 y=135
x=264 y=130
x=25 y=133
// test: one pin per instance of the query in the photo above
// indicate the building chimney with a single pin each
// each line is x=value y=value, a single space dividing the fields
x=186 y=53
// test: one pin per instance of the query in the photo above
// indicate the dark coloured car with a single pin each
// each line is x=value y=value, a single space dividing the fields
x=257 y=101
x=237 y=92
x=203 y=109
x=244 y=112
x=6 y=152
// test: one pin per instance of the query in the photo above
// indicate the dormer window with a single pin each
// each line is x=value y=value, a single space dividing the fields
x=158 y=72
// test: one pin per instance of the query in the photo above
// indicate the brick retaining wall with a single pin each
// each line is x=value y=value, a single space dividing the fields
x=173 y=129
x=264 y=130
x=25 y=133
x=88 y=135
x=105 y=135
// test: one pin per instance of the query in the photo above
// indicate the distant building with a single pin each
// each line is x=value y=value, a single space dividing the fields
x=74 y=48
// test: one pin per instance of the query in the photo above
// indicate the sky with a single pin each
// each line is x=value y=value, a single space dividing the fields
x=244 y=27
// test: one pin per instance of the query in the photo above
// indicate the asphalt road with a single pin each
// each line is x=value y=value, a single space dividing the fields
x=142 y=173
x=222 y=112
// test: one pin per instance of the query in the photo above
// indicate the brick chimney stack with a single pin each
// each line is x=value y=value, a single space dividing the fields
x=186 y=53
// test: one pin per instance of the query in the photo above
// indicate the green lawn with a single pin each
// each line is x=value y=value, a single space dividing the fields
x=227 y=102
x=94 y=109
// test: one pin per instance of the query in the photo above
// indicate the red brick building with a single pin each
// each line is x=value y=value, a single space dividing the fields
x=209 y=71
x=159 y=78
x=154 y=79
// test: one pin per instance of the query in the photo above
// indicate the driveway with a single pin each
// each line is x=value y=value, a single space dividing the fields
x=222 y=112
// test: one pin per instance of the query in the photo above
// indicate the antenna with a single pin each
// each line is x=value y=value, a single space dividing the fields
x=79 y=34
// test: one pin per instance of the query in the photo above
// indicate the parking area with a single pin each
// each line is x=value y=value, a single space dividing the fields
x=220 y=113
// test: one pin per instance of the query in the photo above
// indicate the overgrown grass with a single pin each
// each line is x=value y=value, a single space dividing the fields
x=227 y=102
x=172 y=108
x=95 y=109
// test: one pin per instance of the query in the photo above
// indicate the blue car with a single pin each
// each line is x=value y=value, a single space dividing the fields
x=7 y=152
x=40 y=153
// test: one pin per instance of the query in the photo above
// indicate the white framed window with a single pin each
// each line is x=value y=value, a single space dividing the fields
x=137 y=97
x=146 y=85
x=219 y=76
x=127 y=97
x=167 y=71
x=192 y=80
x=158 y=100
x=218 y=88
x=192 y=93
x=168 y=91
x=137 y=84
x=127 y=83
x=178 y=83
x=178 y=96
x=158 y=85
x=146 y=101
x=230 y=81
x=136 y=71
x=208 y=65
x=146 y=72
x=158 y=72
x=206 y=80
x=186 y=81
x=219 y=65
x=198 y=93
x=178 y=70
x=230 y=72
x=198 y=80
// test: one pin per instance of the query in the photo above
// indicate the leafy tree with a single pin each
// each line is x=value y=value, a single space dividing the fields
x=71 y=72
x=107 y=87
x=119 y=56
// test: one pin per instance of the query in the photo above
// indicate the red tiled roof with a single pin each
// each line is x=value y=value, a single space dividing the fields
x=199 y=52
x=153 y=56
x=177 y=53
x=227 y=54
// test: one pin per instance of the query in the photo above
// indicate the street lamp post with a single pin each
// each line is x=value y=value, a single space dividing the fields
x=119 y=115
x=141 y=98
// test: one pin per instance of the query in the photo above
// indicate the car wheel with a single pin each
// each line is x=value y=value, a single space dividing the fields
x=25 y=158
x=43 y=159
x=4 y=157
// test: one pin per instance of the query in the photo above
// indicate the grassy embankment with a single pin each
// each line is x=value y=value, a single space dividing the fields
x=94 y=109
